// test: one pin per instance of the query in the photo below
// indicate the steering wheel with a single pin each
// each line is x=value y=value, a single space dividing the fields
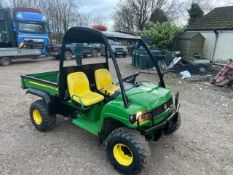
x=131 y=78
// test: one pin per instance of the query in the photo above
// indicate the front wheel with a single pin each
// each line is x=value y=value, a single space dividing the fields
x=40 y=117
x=127 y=150
x=5 y=61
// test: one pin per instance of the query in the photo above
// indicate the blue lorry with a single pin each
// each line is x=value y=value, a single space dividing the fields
x=21 y=37
x=30 y=28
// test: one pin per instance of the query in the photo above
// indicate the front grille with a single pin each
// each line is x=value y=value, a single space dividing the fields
x=161 y=109
x=34 y=45
x=118 y=49
x=38 y=45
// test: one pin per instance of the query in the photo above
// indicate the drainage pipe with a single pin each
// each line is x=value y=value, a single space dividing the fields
x=215 y=45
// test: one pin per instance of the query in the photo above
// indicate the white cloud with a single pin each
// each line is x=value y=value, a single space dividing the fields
x=103 y=8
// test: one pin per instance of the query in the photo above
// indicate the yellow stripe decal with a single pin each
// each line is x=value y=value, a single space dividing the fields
x=43 y=85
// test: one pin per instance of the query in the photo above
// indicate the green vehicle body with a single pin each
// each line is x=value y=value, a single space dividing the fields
x=145 y=97
x=125 y=120
x=120 y=111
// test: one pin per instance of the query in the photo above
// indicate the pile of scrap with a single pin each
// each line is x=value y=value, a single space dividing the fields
x=193 y=71
x=225 y=76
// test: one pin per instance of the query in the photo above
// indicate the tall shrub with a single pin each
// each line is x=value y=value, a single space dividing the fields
x=162 y=35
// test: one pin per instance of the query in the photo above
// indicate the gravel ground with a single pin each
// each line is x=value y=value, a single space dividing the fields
x=203 y=144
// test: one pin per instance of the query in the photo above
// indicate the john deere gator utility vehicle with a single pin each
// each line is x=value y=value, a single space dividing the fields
x=125 y=116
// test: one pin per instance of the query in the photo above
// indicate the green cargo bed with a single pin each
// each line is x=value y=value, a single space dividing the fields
x=46 y=82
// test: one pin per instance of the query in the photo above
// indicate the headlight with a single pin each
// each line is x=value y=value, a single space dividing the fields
x=140 y=117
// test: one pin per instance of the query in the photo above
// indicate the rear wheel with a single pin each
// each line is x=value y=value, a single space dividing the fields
x=40 y=117
x=5 y=61
x=68 y=55
x=127 y=150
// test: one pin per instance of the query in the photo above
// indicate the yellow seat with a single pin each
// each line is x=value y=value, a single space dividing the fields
x=79 y=89
x=103 y=80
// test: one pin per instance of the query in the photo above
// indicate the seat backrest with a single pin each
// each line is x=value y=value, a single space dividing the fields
x=78 y=83
x=103 y=78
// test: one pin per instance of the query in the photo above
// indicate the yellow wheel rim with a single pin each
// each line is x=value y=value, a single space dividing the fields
x=122 y=154
x=37 y=117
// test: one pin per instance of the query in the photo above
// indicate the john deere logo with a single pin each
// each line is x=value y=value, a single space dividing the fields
x=165 y=106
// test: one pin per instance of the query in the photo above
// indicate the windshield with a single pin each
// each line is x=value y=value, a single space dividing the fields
x=114 y=43
x=32 y=28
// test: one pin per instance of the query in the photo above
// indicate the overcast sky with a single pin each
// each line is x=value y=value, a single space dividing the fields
x=105 y=9
x=102 y=8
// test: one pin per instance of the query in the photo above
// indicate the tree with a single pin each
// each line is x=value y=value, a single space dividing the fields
x=87 y=20
x=25 y=3
x=195 y=12
x=162 y=35
x=133 y=15
x=60 y=14
x=124 y=19
x=158 y=15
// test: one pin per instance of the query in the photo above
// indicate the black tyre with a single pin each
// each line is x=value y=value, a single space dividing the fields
x=68 y=55
x=124 y=55
x=155 y=136
x=5 y=61
x=40 y=117
x=173 y=125
x=127 y=150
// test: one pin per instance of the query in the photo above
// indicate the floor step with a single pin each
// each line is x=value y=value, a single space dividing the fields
x=90 y=126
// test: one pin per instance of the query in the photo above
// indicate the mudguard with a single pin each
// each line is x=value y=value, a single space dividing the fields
x=39 y=93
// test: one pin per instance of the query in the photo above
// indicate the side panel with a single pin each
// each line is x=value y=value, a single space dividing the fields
x=46 y=82
x=39 y=85
x=116 y=110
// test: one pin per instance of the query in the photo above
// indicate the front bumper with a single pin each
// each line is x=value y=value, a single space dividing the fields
x=163 y=125
x=173 y=119
x=120 y=52
x=53 y=53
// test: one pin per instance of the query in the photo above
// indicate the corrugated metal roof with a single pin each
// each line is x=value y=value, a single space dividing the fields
x=121 y=35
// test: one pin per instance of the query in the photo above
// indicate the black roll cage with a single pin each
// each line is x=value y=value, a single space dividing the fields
x=88 y=35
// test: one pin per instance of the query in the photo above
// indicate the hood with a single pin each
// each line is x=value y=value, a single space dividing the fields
x=148 y=96
x=118 y=46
